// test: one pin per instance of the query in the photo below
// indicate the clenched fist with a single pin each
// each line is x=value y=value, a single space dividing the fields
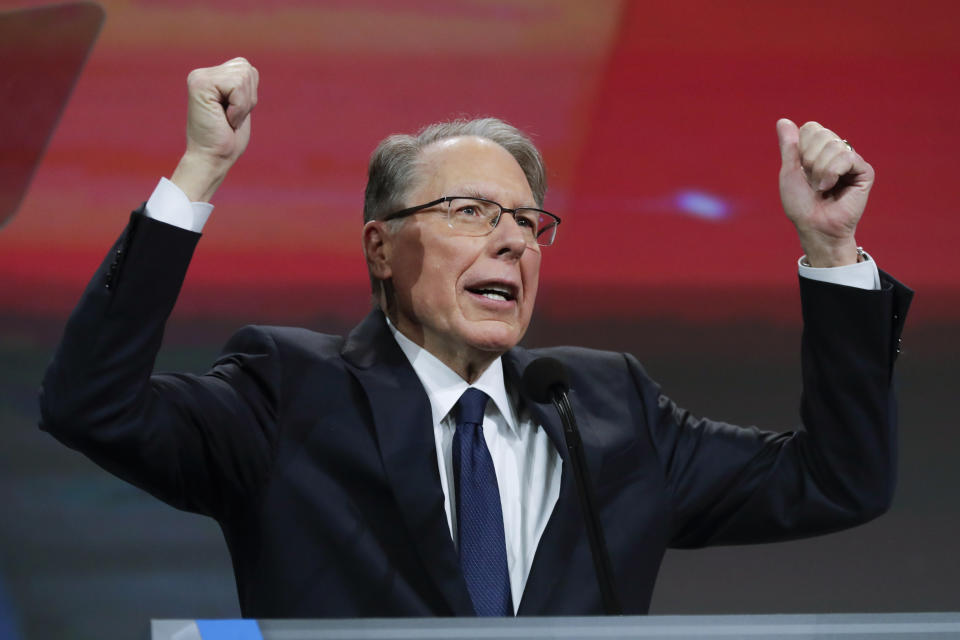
x=824 y=185
x=220 y=100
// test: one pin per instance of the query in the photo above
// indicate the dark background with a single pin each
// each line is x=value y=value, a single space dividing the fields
x=657 y=124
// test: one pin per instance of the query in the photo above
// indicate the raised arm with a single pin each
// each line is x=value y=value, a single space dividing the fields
x=735 y=485
x=198 y=442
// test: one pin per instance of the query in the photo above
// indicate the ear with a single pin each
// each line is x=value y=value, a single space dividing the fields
x=377 y=249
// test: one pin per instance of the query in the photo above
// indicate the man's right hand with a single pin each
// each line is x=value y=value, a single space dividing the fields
x=218 y=125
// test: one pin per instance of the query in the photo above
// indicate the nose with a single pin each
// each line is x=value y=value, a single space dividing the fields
x=508 y=237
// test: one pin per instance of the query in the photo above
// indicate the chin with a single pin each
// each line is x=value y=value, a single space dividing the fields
x=499 y=339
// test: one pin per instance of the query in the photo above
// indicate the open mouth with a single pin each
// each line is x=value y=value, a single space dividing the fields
x=498 y=292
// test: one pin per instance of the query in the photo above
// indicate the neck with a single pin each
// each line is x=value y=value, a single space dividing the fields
x=469 y=370
x=467 y=362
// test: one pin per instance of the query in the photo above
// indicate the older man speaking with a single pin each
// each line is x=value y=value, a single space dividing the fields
x=403 y=470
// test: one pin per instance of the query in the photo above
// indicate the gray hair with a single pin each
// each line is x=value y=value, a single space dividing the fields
x=393 y=164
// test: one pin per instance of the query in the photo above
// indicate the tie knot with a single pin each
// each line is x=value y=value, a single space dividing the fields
x=471 y=405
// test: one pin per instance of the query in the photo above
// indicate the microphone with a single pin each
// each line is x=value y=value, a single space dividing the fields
x=542 y=378
x=546 y=380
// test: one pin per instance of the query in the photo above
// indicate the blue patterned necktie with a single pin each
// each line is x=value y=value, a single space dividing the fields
x=483 y=551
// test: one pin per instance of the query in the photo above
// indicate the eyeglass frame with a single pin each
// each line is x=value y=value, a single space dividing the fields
x=420 y=207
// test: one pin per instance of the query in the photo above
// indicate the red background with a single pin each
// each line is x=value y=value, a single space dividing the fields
x=631 y=103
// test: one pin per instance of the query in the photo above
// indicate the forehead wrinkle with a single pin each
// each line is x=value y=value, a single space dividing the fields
x=429 y=168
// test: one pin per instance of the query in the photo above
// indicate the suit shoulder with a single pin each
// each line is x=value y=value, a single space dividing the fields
x=577 y=354
x=584 y=361
x=288 y=340
x=591 y=365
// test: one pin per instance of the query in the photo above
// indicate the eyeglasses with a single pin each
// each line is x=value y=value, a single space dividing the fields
x=478 y=217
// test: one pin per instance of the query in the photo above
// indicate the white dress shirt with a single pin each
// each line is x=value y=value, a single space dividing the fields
x=525 y=461
x=527 y=465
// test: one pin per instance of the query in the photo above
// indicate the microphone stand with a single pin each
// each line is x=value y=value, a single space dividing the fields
x=598 y=545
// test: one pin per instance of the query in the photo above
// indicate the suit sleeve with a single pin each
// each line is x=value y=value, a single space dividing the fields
x=200 y=443
x=735 y=485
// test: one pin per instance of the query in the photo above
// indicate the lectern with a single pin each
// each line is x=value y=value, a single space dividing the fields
x=879 y=626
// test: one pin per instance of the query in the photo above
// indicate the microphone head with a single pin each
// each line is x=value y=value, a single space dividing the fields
x=542 y=377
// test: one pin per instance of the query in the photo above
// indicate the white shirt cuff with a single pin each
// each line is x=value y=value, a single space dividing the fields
x=170 y=204
x=862 y=275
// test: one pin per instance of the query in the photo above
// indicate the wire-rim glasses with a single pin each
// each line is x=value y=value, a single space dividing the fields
x=479 y=216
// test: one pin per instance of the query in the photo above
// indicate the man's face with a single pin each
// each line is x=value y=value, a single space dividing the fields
x=442 y=280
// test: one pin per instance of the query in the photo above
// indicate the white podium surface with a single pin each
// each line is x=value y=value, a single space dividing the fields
x=859 y=626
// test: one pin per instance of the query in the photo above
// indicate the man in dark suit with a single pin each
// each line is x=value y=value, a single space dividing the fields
x=401 y=470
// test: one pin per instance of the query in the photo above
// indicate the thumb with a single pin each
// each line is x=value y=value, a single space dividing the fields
x=789 y=137
x=236 y=114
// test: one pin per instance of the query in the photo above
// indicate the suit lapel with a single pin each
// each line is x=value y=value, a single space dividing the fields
x=565 y=527
x=402 y=419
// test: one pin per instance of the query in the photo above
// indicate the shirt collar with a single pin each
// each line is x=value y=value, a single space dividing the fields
x=444 y=386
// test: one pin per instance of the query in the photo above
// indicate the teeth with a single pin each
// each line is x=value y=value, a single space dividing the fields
x=494 y=295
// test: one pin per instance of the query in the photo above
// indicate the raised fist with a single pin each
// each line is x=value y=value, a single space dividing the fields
x=824 y=185
x=220 y=100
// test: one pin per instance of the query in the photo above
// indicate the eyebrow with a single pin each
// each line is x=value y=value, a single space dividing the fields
x=473 y=192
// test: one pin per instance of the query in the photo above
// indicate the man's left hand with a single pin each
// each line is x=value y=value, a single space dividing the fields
x=824 y=186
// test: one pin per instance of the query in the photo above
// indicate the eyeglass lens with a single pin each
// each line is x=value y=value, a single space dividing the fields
x=477 y=217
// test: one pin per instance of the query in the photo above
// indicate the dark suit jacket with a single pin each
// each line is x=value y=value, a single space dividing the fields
x=315 y=453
